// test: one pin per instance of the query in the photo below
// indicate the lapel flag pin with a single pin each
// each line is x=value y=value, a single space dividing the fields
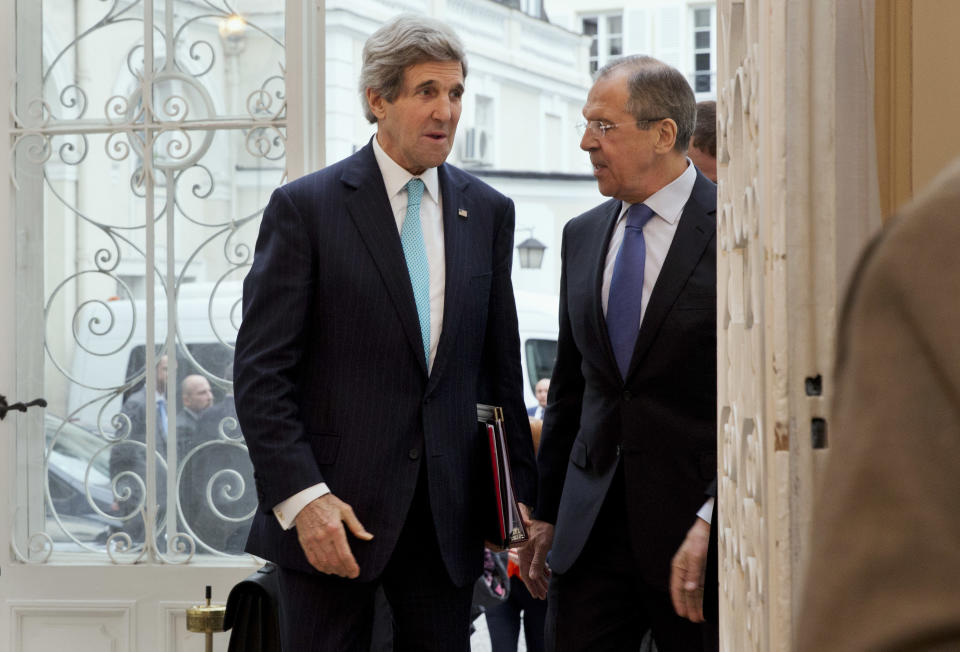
x=462 y=213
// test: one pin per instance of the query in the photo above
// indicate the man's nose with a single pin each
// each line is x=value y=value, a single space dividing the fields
x=442 y=109
x=588 y=141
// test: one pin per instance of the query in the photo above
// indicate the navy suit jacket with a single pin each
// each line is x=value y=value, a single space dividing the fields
x=331 y=382
x=660 y=421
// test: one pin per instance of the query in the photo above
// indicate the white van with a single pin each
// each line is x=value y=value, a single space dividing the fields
x=208 y=317
x=537 y=316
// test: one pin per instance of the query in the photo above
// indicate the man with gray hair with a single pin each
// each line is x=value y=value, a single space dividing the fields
x=386 y=274
x=627 y=454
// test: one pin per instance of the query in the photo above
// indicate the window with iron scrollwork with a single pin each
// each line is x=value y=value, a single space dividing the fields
x=147 y=136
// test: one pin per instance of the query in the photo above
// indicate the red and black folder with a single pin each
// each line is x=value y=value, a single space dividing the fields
x=504 y=527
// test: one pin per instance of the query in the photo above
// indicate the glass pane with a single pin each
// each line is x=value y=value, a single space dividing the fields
x=541 y=356
x=701 y=40
x=485 y=147
x=594 y=49
x=155 y=191
x=701 y=18
x=702 y=61
x=703 y=83
x=484 y=112
x=590 y=26
x=616 y=46
x=615 y=24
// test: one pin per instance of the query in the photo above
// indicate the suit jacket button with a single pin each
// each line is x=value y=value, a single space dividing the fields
x=618 y=450
x=414 y=453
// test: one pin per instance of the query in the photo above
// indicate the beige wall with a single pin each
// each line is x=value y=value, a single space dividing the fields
x=796 y=203
x=936 y=91
x=917 y=95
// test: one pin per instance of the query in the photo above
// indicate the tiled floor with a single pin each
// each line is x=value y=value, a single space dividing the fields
x=480 y=640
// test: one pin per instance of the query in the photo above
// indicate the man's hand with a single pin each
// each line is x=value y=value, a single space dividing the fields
x=688 y=571
x=533 y=555
x=323 y=539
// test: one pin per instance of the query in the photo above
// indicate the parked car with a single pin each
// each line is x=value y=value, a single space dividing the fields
x=77 y=484
x=81 y=508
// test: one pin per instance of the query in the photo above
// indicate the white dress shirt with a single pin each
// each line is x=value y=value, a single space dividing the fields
x=667 y=205
x=395 y=180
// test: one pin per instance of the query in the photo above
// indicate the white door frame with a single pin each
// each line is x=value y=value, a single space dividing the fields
x=78 y=604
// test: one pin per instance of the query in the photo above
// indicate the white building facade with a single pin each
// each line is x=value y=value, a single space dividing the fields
x=682 y=33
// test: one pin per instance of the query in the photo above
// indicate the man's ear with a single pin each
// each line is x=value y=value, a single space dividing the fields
x=376 y=101
x=666 y=136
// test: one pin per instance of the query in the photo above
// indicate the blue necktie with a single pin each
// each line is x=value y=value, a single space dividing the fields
x=411 y=237
x=162 y=416
x=626 y=288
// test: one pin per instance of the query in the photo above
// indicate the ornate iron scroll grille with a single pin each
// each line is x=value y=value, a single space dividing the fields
x=147 y=136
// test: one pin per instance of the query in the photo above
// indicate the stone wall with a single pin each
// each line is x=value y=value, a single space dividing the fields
x=791 y=131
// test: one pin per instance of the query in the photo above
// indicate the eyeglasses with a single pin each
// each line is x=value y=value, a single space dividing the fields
x=599 y=129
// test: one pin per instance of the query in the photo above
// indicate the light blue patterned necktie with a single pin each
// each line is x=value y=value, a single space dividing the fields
x=414 y=250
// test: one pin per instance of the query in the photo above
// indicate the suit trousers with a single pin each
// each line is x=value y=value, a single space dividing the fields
x=602 y=605
x=430 y=614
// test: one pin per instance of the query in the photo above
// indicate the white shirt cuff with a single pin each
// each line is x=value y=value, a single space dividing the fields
x=706 y=512
x=286 y=512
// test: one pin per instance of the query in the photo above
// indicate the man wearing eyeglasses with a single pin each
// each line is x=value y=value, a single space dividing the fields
x=627 y=458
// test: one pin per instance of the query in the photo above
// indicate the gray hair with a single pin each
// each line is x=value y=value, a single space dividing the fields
x=657 y=90
x=403 y=42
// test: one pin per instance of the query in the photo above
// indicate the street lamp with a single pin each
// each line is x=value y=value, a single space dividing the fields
x=232 y=29
x=531 y=251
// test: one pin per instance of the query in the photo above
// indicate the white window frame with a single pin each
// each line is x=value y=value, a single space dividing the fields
x=474 y=137
x=603 y=38
x=531 y=7
x=711 y=50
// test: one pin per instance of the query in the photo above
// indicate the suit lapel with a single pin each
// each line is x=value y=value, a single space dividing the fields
x=600 y=255
x=369 y=207
x=455 y=243
x=694 y=232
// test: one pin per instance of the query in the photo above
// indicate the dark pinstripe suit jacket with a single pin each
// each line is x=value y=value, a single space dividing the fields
x=661 y=419
x=331 y=382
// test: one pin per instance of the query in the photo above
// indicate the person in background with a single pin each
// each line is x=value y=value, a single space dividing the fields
x=197 y=396
x=128 y=453
x=703 y=145
x=221 y=415
x=384 y=275
x=885 y=537
x=541 y=389
x=211 y=451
